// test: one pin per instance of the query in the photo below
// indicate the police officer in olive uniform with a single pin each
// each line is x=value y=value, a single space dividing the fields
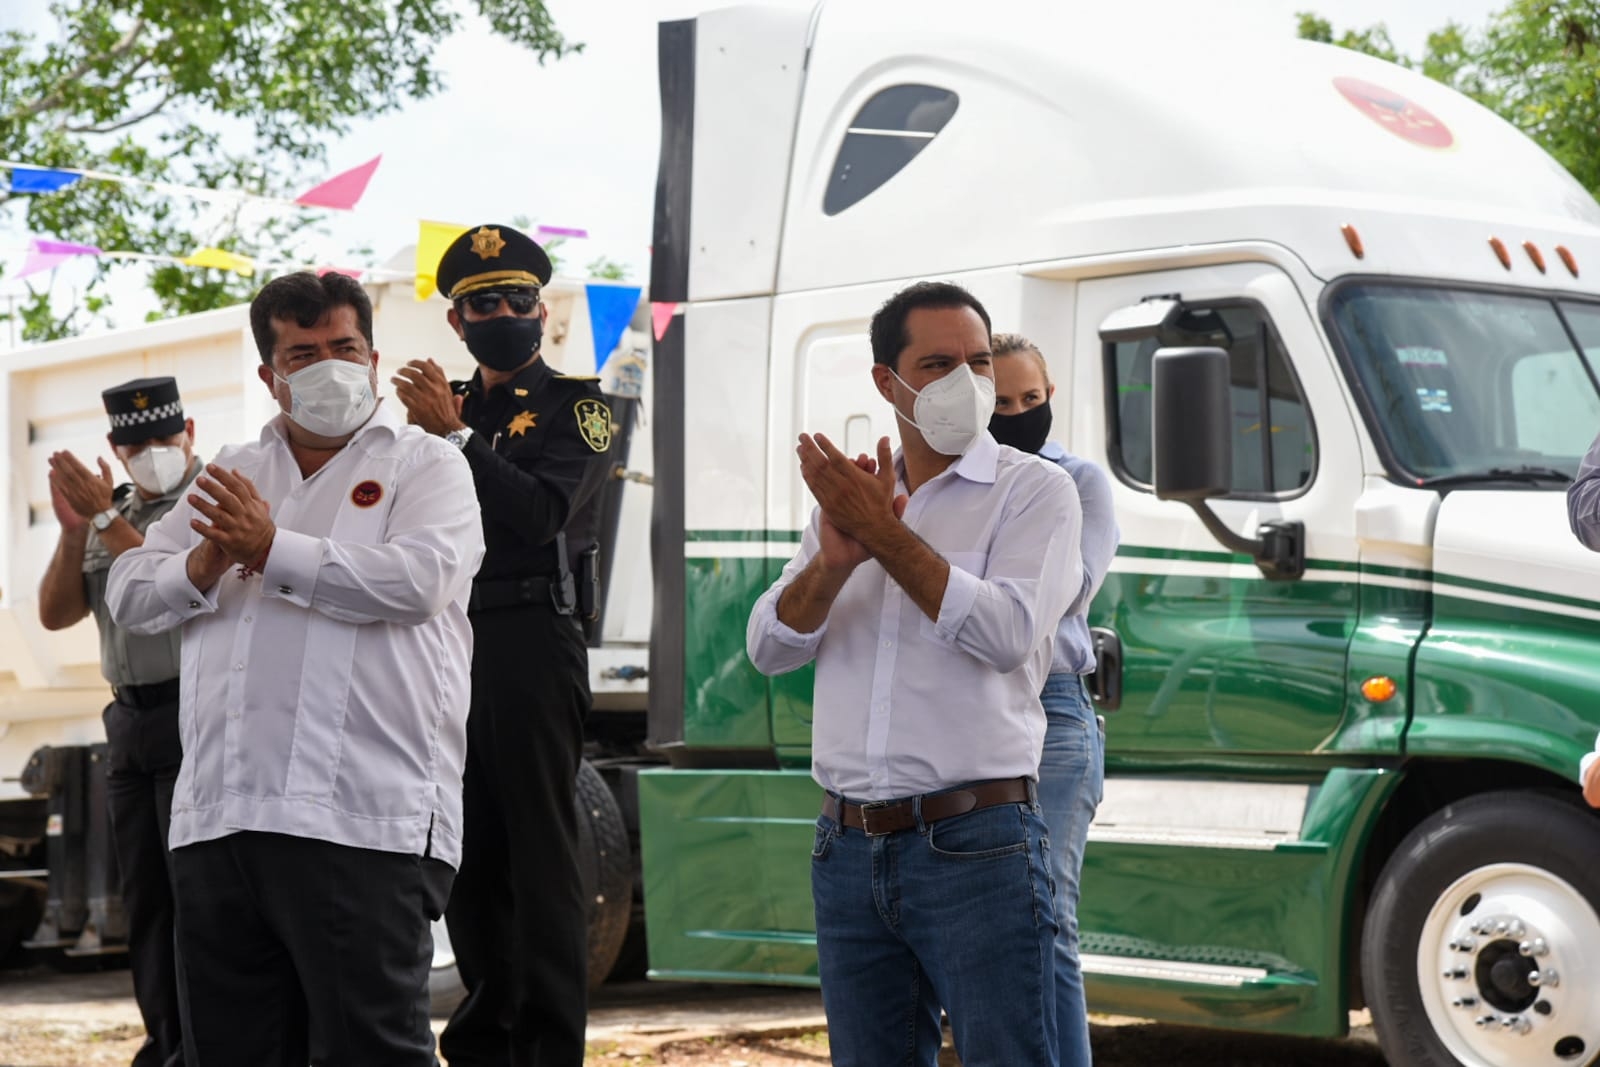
x=537 y=442
x=100 y=521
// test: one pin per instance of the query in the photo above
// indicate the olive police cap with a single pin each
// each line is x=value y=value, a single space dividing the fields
x=491 y=256
x=142 y=409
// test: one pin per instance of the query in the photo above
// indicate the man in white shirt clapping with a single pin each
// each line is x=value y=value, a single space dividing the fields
x=320 y=576
x=927 y=589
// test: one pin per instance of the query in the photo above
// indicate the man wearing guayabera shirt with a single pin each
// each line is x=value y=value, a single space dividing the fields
x=927 y=589
x=320 y=576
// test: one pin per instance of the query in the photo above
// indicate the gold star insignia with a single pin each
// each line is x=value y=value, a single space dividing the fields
x=487 y=243
x=141 y=401
x=521 y=423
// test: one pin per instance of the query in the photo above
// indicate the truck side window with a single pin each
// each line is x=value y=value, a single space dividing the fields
x=886 y=134
x=1273 y=445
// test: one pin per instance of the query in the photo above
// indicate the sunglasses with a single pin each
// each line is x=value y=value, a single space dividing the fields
x=487 y=302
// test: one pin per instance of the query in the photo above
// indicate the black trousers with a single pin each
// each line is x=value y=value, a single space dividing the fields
x=517 y=918
x=300 y=951
x=144 y=755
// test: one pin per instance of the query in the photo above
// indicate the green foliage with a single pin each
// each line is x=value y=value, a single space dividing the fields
x=607 y=270
x=242 y=95
x=1536 y=63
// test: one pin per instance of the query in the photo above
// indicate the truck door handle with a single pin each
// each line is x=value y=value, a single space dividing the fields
x=1105 y=684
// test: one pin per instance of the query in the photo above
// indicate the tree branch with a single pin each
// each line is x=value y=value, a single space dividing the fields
x=56 y=96
x=124 y=123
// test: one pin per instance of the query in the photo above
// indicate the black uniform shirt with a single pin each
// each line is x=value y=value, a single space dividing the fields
x=538 y=456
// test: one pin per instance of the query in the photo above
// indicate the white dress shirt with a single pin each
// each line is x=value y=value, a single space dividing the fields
x=1074 y=647
x=904 y=704
x=326 y=697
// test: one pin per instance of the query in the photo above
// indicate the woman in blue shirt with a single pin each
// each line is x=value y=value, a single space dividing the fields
x=1072 y=770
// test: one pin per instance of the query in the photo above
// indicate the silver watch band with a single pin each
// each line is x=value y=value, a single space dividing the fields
x=460 y=437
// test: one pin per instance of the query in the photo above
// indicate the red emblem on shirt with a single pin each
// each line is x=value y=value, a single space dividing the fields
x=366 y=494
x=1402 y=117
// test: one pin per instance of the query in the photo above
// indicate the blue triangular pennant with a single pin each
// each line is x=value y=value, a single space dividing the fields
x=610 y=308
x=40 y=180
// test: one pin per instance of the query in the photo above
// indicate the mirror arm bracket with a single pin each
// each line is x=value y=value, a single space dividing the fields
x=1279 y=551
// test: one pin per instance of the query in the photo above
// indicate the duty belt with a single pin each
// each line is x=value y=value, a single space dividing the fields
x=491 y=593
x=153 y=695
x=891 y=816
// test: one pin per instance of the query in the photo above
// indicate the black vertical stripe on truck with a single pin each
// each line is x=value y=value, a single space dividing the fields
x=669 y=281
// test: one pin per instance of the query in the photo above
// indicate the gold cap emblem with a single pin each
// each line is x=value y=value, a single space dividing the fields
x=140 y=401
x=487 y=243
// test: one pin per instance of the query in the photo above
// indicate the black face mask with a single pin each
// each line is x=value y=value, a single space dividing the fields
x=1027 y=431
x=504 y=343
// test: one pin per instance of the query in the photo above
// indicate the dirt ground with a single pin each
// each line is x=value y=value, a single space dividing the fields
x=89 y=1020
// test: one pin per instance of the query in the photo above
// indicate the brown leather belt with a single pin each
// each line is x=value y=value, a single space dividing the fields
x=891 y=816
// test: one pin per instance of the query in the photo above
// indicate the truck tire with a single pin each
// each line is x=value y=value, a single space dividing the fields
x=604 y=862
x=605 y=868
x=1482 y=937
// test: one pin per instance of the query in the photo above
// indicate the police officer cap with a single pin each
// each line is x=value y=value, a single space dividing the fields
x=142 y=409
x=491 y=256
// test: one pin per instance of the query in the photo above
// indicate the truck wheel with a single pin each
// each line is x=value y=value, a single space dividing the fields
x=1482 y=939
x=607 y=873
x=604 y=866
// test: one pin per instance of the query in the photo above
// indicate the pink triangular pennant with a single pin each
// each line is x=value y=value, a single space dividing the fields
x=38 y=262
x=661 y=312
x=341 y=191
x=45 y=254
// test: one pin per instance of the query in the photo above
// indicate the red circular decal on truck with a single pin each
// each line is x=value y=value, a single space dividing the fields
x=1400 y=116
x=366 y=494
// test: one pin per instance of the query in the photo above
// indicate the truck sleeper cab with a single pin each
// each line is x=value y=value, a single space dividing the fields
x=1342 y=739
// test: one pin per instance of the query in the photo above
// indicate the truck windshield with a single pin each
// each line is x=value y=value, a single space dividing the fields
x=1463 y=386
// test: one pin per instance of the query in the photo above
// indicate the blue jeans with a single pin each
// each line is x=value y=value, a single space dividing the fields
x=956 y=914
x=1071 y=783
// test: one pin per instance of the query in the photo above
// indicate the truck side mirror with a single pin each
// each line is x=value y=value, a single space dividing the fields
x=1192 y=448
x=1191 y=416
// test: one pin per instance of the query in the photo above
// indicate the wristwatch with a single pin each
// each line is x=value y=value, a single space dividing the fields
x=102 y=520
x=459 y=437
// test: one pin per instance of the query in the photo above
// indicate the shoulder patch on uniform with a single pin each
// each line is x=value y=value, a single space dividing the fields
x=594 y=423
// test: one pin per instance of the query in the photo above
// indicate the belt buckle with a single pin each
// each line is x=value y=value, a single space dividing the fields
x=866 y=817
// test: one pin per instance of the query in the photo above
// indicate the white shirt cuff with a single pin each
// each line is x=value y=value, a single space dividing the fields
x=960 y=593
x=785 y=634
x=292 y=566
x=1585 y=763
x=178 y=592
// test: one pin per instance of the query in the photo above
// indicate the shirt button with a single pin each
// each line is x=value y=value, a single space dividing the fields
x=233 y=714
x=238 y=666
x=194 y=603
x=284 y=590
x=249 y=618
x=888 y=644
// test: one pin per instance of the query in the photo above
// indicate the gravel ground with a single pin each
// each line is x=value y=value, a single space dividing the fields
x=88 y=1020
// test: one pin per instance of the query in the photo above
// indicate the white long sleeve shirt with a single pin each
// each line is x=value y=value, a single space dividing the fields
x=326 y=697
x=904 y=704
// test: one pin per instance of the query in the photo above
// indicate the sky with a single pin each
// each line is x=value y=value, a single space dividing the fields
x=573 y=143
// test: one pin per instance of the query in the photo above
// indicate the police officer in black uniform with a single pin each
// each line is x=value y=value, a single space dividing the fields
x=155 y=442
x=537 y=442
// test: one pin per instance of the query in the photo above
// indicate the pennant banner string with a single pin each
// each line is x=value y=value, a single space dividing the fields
x=339 y=193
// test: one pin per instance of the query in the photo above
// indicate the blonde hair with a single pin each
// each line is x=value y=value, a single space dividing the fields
x=1006 y=344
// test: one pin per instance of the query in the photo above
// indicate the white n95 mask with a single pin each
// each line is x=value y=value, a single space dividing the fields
x=332 y=397
x=952 y=411
x=159 y=469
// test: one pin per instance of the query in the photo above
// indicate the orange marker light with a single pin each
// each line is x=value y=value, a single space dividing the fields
x=1566 y=257
x=1379 y=688
x=1500 y=252
x=1353 y=239
x=1534 y=254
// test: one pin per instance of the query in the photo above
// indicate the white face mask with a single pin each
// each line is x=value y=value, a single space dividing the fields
x=332 y=397
x=952 y=411
x=159 y=469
